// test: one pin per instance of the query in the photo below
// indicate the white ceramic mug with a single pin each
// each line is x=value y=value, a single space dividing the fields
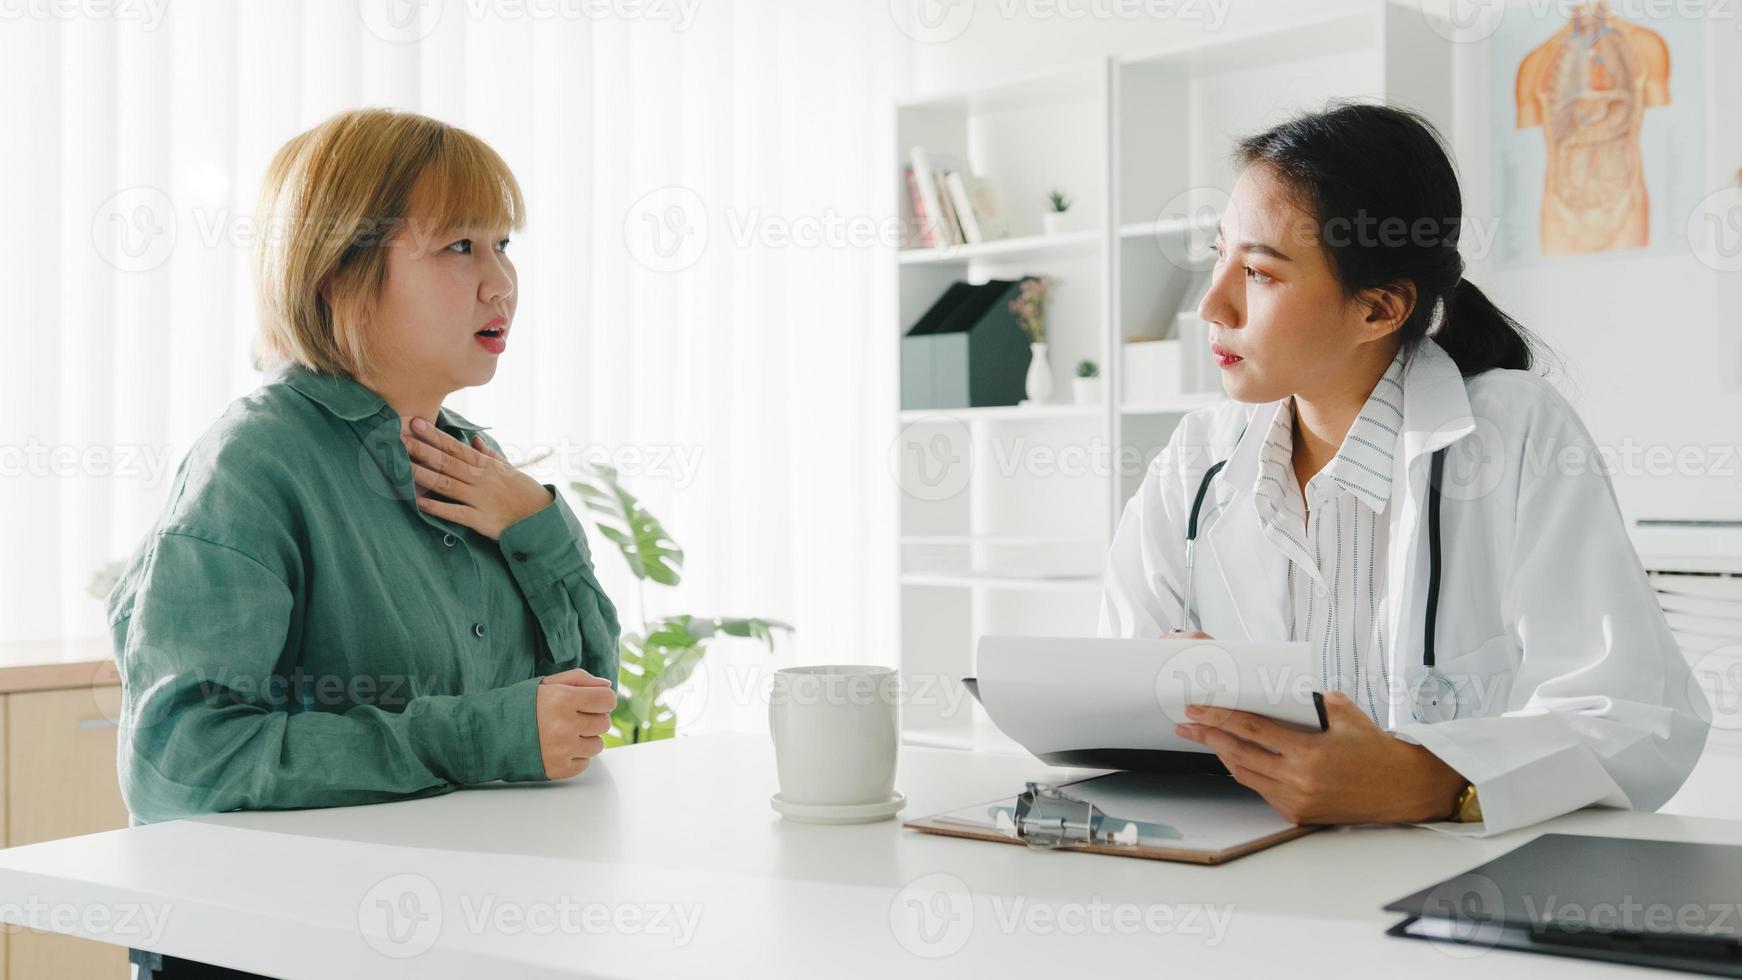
x=836 y=730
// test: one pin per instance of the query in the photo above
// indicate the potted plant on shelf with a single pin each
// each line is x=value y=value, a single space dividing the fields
x=1030 y=309
x=1052 y=220
x=1087 y=384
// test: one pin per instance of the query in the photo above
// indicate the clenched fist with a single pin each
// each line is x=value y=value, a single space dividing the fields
x=574 y=709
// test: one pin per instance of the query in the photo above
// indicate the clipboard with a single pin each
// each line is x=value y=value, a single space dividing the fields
x=1191 y=818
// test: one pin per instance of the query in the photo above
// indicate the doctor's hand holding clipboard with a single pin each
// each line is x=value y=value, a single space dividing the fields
x=1352 y=772
x=1391 y=484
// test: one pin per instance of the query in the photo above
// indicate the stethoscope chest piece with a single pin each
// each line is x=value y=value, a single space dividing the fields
x=1433 y=698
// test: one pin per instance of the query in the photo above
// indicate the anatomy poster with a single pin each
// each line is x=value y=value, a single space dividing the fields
x=1599 y=130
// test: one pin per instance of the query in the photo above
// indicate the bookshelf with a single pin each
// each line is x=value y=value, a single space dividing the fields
x=1006 y=511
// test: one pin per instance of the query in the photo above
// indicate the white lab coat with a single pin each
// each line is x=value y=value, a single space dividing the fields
x=1572 y=689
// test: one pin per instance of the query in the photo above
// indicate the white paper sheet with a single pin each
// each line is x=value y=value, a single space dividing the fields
x=1059 y=694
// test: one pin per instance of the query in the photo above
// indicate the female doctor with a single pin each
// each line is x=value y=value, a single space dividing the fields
x=1515 y=669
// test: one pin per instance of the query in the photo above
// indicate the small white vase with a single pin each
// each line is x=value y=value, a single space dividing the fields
x=1038 y=384
x=1053 y=222
x=1087 y=390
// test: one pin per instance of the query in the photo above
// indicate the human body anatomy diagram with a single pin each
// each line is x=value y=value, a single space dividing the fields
x=1588 y=87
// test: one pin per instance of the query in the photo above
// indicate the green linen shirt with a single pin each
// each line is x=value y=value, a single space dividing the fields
x=296 y=632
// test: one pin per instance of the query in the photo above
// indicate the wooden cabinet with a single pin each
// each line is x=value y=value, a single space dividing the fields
x=58 y=779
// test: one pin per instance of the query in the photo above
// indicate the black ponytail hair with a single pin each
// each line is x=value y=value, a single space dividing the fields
x=1381 y=186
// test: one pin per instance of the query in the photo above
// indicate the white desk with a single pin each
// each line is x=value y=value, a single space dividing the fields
x=686 y=825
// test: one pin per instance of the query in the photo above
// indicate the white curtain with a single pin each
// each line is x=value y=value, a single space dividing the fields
x=706 y=277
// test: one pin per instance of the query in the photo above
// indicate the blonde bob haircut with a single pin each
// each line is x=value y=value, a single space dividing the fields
x=334 y=198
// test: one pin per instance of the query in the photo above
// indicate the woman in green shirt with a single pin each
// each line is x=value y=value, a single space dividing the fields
x=351 y=596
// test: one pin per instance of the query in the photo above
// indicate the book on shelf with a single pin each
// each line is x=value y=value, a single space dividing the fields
x=952 y=223
x=983 y=199
x=976 y=207
x=927 y=207
x=963 y=207
x=951 y=205
x=925 y=231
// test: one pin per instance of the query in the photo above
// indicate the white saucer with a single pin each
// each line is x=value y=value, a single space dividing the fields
x=827 y=813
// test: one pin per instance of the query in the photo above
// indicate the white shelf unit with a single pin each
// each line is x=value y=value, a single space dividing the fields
x=1140 y=142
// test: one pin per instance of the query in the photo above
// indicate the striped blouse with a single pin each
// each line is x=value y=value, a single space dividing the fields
x=1335 y=549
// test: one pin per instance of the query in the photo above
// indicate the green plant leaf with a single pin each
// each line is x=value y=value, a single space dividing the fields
x=665 y=658
x=649 y=550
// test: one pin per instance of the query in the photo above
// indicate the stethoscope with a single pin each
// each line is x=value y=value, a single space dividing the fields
x=1433 y=697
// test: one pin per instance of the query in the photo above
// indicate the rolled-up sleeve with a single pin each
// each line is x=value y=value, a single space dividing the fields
x=548 y=555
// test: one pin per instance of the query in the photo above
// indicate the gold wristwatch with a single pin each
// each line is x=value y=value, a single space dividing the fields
x=1468 y=809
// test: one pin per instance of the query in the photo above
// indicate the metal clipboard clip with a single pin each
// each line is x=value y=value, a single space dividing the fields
x=1047 y=817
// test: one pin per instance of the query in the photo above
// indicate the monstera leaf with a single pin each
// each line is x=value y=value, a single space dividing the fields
x=662 y=659
x=649 y=550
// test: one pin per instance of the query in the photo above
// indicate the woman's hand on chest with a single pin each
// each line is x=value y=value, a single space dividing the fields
x=470 y=484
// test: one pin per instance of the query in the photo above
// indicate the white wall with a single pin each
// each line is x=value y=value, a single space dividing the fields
x=1640 y=337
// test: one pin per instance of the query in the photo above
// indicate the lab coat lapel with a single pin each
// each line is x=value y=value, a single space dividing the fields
x=1235 y=560
x=1436 y=413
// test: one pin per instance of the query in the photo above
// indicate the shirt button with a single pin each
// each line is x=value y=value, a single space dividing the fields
x=449 y=540
x=1321 y=590
x=477 y=629
x=520 y=556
